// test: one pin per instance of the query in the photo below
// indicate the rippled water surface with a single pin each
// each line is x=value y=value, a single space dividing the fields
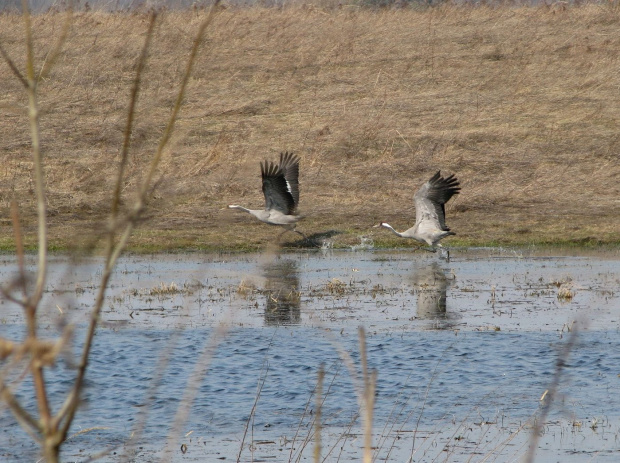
x=463 y=351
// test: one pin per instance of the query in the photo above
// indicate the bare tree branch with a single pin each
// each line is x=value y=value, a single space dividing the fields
x=53 y=55
x=560 y=365
x=177 y=106
x=33 y=300
x=129 y=126
x=13 y=67
x=24 y=418
x=368 y=399
x=65 y=416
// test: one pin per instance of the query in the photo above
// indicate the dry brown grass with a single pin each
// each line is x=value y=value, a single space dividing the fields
x=523 y=104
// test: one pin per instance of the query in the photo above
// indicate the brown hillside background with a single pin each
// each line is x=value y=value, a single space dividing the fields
x=522 y=104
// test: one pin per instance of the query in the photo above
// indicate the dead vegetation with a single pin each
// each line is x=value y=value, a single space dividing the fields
x=49 y=422
x=521 y=103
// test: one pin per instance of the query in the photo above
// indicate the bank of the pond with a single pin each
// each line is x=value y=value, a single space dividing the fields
x=153 y=241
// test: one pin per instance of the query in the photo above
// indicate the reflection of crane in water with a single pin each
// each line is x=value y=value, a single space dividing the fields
x=431 y=286
x=282 y=291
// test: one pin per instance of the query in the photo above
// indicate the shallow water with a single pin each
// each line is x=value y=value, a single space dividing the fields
x=463 y=350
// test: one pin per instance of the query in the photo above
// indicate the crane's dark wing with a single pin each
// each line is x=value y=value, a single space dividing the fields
x=289 y=163
x=431 y=197
x=275 y=189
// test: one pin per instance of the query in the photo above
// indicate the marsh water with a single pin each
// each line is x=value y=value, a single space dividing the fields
x=229 y=348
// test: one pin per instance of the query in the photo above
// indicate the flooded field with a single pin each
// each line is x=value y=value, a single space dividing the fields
x=464 y=351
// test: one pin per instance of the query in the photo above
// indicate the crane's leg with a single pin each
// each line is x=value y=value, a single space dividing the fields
x=280 y=235
x=293 y=230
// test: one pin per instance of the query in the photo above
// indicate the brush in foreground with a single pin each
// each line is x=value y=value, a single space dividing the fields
x=430 y=214
x=281 y=190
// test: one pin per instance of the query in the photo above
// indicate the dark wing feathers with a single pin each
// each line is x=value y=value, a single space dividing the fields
x=442 y=189
x=275 y=189
x=434 y=194
x=289 y=163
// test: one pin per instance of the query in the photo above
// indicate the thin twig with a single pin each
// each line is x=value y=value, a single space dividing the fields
x=19 y=246
x=365 y=392
x=191 y=389
x=553 y=388
x=13 y=67
x=177 y=106
x=66 y=413
x=129 y=124
x=9 y=297
x=114 y=251
x=428 y=387
x=301 y=421
x=53 y=55
x=25 y=419
x=33 y=113
x=145 y=188
x=160 y=369
x=370 y=382
x=391 y=419
x=259 y=389
x=303 y=416
x=33 y=301
x=317 y=414
x=343 y=437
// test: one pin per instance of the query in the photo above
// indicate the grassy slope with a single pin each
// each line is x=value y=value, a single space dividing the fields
x=523 y=104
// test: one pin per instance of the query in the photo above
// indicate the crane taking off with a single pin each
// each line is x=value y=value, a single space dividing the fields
x=430 y=214
x=281 y=190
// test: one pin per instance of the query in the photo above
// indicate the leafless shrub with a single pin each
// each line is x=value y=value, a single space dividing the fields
x=50 y=427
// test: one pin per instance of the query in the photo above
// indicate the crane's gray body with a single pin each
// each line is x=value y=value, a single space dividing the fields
x=430 y=215
x=271 y=216
x=281 y=191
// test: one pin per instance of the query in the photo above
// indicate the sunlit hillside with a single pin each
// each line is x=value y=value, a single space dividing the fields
x=522 y=104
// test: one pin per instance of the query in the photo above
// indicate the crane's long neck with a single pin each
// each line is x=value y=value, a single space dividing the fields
x=260 y=214
x=389 y=227
x=235 y=206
